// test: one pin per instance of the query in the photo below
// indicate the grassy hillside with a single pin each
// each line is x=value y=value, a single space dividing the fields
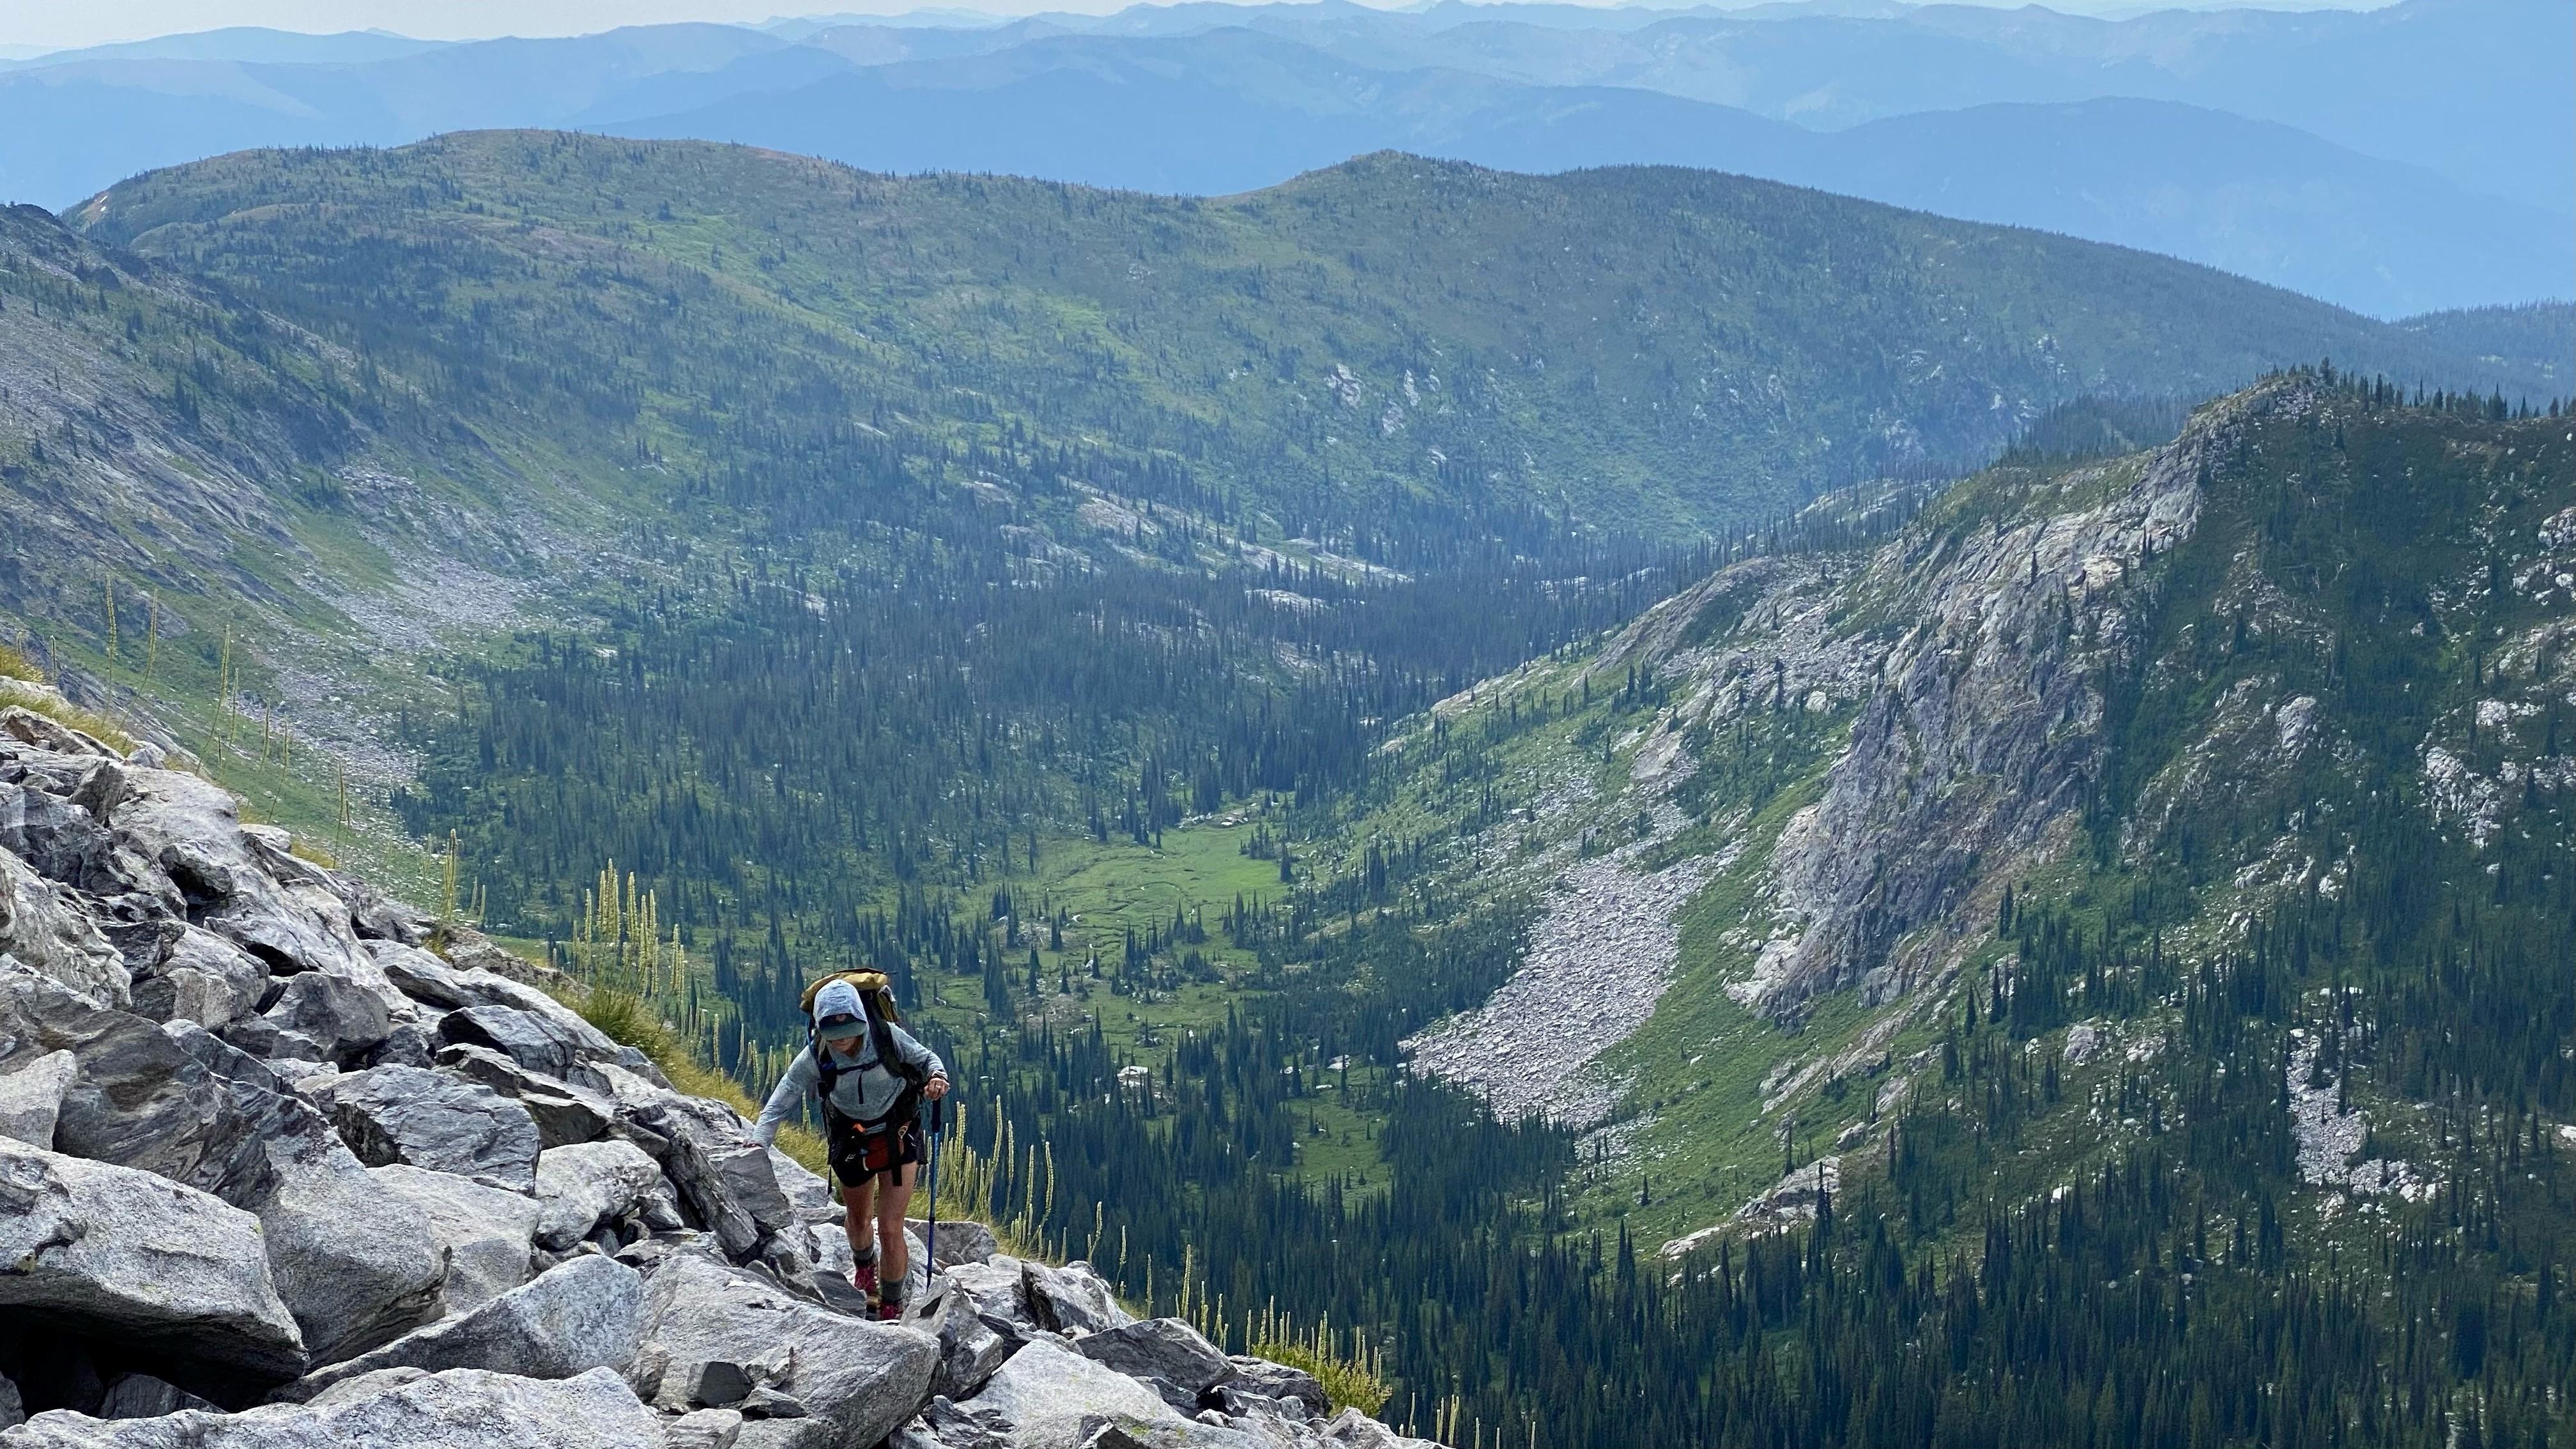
x=1646 y=347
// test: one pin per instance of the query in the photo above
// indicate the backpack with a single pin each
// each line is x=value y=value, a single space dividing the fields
x=876 y=998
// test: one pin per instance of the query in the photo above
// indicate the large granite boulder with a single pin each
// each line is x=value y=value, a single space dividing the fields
x=580 y=1315
x=43 y=925
x=1281 y=1382
x=137 y=1099
x=355 y=1264
x=110 y=1251
x=192 y=831
x=338 y=1016
x=434 y=1120
x=487 y=1234
x=854 y=1380
x=724 y=1176
x=458 y=1409
x=564 y=1113
x=31 y=1095
x=1175 y=1359
x=969 y=1348
x=961 y=1240
x=582 y=1185
x=1073 y=1299
x=1049 y=1397
x=201 y=977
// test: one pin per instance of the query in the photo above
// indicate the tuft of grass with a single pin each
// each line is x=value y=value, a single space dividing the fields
x=1352 y=1378
x=37 y=698
x=629 y=1021
x=305 y=850
x=14 y=664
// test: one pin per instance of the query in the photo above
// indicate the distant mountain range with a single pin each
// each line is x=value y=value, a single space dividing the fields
x=2395 y=161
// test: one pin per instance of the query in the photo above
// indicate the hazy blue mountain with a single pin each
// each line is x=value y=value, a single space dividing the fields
x=2479 y=90
x=2257 y=198
x=245 y=42
x=2255 y=141
x=68 y=129
x=1233 y=110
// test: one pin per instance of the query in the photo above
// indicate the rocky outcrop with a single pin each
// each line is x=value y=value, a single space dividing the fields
x=102 y=1249
x=272 y=1173
x=460 y=1409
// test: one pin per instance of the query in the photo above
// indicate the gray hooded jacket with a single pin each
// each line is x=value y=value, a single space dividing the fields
x=863 y=1088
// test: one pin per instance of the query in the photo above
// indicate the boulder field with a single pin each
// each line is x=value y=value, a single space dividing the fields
x=275 y=1172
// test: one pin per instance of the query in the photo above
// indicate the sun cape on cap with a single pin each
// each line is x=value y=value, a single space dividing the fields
x=840 y=998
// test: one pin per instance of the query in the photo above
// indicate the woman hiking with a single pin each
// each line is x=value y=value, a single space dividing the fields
x=872 y=1077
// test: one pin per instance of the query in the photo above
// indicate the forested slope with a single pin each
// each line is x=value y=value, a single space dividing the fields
x=1653 y=347
x=2124 y=911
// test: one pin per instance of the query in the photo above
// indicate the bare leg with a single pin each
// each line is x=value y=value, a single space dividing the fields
x=856 y=1212
x=894 y=1259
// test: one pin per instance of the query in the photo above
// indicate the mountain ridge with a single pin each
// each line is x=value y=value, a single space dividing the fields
x=2320 y=210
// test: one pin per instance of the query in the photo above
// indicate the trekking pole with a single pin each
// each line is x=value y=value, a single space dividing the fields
x=930 y=1238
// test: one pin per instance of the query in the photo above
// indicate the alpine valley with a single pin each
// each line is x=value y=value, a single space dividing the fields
x=1622 y=809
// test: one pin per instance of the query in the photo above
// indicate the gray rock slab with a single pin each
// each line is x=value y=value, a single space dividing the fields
x=722 y=1172
x=203 y=978
x=1048 y=1397
x=31 y=1096
x=533 y=1041
x=857 y=1380
x=1074 y=1299
x=961 y=1240
x=1168 y=1350
x=998 y=1287
x=486 y=1233
x=336 y=1013
x=583 y=1184
x=458 y=1409
x=139 y=1099
x=59 y=838
x=969 y=1349
x=356 y=1264
x=420 y=975
x=1279 y=1381
x=434 y=1120
x=191 y=830
x=1359 y=1431
x=564 y=1112
x=580 y=1315
x=706 y=1429
x=115 y=1252
x=43 y=925
x=28 y=727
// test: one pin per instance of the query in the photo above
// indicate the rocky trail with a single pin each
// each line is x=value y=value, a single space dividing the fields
x=273 y=1172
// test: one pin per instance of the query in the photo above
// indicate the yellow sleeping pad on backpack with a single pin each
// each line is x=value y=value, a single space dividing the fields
x=874 y=987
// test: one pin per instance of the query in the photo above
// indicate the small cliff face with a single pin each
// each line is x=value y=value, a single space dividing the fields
x=1981 y=733
x=275 y=1171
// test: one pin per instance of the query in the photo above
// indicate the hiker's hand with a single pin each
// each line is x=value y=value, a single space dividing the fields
x=937 y=1088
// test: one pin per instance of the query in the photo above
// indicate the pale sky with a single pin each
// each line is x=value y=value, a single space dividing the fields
x=59 y=23
x=29 y=25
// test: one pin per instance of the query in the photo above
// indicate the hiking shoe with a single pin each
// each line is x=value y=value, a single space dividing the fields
x=890 y=1311
x=864 y=1278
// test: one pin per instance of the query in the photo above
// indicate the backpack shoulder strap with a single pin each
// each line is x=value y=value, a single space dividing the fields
x=881 y=1035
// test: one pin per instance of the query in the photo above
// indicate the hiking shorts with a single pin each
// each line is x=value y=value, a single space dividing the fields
x=862 y=1152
